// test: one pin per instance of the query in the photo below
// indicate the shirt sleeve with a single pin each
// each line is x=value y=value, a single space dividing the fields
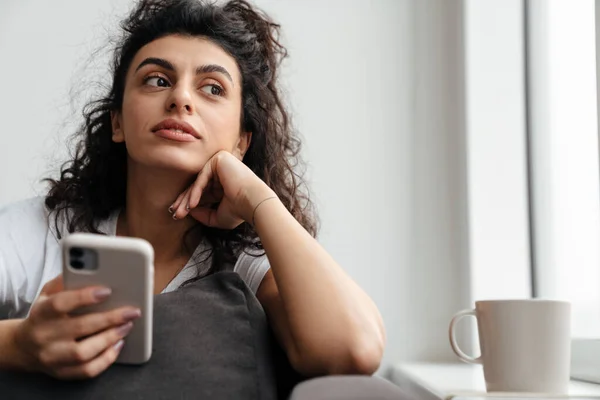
x=27 y=258
x=7 y=294
x=252 y=269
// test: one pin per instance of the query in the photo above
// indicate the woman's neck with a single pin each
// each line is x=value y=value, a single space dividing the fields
x=150 y=192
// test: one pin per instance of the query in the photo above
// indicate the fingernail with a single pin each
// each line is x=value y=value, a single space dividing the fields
x=124 y=329
x=170 y=209
x=174 y=216
x=132 y=314
x=119 y=345
x=102 y=293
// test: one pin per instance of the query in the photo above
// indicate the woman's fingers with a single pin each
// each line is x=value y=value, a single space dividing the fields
x=71 y=346
x=109 y=351
x=211 y=196
x=205 y=215
x=208 y=190
x=191 y=197
x=53 y=286
x=201 y=183
x=222 y=217
x=68 y=301
x=89 y=324
x=176 y=205
x=181 y=206
x=78 y=353
x=180 y=210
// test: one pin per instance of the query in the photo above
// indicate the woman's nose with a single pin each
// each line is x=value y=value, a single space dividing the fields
x=180 y=100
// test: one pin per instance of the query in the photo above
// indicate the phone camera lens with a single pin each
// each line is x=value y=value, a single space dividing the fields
x=76 y=264
x=76 y=252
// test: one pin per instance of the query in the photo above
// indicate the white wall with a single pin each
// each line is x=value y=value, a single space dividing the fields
x=438 y=271
x=377 y=91
x=349 y=84
x=47 y=66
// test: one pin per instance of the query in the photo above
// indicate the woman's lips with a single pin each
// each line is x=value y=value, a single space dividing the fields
x=175 y=135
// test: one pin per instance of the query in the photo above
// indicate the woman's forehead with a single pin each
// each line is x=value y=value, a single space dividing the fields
x=187 y=53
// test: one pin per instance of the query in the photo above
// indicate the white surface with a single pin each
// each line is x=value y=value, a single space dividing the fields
x=565 y=164
x=469 y=237
x=441 y=381
x=470 y=221
x=438 y=272
x=525 y=344
x=585 y=360
x=563 y=68
x=470 y=227
x=497 y=166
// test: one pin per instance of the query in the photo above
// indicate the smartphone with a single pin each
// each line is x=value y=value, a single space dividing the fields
x=126 y=265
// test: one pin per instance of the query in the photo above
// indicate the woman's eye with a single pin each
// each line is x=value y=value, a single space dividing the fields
x=212 y=89
x=156 y=81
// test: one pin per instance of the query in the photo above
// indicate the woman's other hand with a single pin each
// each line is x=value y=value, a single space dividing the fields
x=234 y=189
x=53 y=341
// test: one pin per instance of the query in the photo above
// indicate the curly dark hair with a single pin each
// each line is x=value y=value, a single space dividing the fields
x=93 y=183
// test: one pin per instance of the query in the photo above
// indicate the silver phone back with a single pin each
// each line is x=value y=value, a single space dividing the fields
x=126 y=265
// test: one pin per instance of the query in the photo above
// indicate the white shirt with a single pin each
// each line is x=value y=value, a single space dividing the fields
x=30 y=256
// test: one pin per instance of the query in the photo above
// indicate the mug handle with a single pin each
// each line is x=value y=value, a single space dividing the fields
x=452 y=334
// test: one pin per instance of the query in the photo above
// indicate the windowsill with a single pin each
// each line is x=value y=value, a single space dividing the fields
x=429 y=381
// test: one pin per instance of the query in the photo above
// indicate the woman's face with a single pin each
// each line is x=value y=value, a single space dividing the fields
x=179 y=79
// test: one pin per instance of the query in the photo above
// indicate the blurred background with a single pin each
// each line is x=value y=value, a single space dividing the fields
x=451 y=145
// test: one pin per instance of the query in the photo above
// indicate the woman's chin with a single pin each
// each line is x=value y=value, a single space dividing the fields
x=176 y=161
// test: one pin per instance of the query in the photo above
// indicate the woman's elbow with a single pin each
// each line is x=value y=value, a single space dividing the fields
x=366 y=353
x=360 y=358
x=364 y=358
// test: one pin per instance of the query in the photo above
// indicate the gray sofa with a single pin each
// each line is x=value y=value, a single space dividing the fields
x=347 y=388
x=211 y=340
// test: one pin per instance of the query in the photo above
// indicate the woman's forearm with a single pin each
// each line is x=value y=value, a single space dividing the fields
x=10 y=358
x=329 y=315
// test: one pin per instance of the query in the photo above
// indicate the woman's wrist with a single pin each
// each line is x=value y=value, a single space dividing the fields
x=254 y=196
x=253 y=221
x=11 y=356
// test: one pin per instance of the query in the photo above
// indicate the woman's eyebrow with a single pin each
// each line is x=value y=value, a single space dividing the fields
x=203 y=69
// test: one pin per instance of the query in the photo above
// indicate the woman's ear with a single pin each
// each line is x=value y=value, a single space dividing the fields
x=242 y=145
x=116 y=123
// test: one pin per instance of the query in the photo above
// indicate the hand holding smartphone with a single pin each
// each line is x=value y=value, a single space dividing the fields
x=126 y=266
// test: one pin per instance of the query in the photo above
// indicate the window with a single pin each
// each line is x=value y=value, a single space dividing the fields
x=564 y=164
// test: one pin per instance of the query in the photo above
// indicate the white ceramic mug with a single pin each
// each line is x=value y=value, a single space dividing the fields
x=525 y=344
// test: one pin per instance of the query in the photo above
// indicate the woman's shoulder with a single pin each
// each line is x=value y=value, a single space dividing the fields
x=24 y=219
x=24 y=228
x=29 y=254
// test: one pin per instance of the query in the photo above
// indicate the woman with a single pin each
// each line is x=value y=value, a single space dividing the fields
x=193 y=151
